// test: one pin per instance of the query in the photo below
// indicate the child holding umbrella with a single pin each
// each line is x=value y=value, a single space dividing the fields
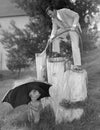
x=34 y=107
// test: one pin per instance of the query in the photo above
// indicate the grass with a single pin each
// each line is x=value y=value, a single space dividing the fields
x=89 y=121
x=8 y=75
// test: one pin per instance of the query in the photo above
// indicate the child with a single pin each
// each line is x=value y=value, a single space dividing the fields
x=34 y=106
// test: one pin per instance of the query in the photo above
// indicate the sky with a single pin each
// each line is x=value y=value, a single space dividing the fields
x=7 y=8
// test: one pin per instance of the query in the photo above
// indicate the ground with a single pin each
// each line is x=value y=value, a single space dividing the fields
x=91 y=121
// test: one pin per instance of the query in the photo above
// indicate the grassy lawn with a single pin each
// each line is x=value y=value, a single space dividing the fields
x=8 y=78
x=5 y=86
x=89 y=121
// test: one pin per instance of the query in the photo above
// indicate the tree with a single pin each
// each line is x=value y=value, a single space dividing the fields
x=17 y=61
x=23 y=44
x=30 y=40
x=38 y=37
x=16 y=54
x=89 y=39
x=37 y=7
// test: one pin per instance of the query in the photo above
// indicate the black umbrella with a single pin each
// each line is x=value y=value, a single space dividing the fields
x=20 y=94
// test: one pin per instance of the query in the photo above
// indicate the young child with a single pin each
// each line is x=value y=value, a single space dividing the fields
x=35 y=106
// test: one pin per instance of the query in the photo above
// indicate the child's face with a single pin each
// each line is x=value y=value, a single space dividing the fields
x=34 y=94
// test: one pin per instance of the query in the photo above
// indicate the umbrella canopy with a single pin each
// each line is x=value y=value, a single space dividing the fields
x=20 y=94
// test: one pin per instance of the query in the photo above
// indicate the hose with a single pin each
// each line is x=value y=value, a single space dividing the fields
x=68 y=29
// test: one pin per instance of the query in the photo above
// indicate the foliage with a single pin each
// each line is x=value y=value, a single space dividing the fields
x=23 y=44
x=38 y=7
x=38 y=37
x=16 y=60
x=12 y=42
x=89 y=39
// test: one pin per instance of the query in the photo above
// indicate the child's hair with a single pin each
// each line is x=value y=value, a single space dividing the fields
x=30 y=94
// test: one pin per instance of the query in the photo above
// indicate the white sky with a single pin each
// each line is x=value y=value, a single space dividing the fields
x=7 y=8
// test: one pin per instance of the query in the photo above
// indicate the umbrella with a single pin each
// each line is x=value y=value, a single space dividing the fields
x=20 y=94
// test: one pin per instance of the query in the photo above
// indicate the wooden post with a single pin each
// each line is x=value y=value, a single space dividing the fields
x=68 y=87
x=41 y=67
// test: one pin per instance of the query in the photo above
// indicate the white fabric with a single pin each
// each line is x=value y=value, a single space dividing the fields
x=78 y=86
x=41 y=66
x=74 y=44
x=58 y=15
x=70 y=85
x=66 y=18
x=75 y=48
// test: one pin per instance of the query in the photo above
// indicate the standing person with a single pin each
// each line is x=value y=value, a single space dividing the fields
x=63 y=19
x=35 y=106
